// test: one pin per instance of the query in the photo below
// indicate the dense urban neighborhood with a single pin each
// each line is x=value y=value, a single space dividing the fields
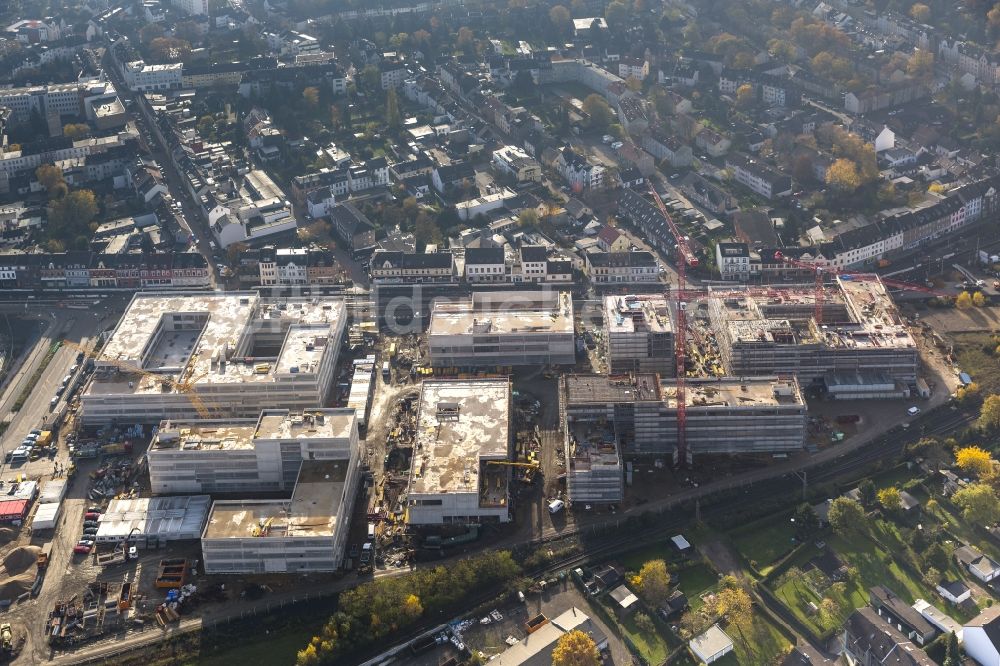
x=528 y=332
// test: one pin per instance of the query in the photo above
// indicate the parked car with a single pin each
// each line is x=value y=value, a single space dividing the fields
x=81 y=549
x=91 y=515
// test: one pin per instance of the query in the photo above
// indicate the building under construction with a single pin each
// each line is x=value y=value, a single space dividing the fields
x=639 y=333
x=774 y=333
x=594 y=466
x=460 y=469
x=244 y=455
x=503 y=329
x=214 y=355
x=306 y=533
x=638 y=413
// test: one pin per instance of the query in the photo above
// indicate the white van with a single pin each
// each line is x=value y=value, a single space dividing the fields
x=555 y=506
x=913 y=411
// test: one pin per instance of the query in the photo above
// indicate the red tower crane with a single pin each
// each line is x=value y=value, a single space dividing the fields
x=685 y=257
x=818 y=271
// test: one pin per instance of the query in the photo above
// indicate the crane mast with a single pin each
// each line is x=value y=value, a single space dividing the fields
x=685 y=257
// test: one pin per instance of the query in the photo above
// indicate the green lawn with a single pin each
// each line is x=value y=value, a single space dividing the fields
x=762 y=545
x=652 y=646
x=981 y=366
x=695 y=580
x=634 y=560
x=763 y=644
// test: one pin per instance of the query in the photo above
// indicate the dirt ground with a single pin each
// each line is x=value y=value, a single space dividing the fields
x=953 y=320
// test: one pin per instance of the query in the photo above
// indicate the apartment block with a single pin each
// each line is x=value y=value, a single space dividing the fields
x=503 y=329
x=639 y=334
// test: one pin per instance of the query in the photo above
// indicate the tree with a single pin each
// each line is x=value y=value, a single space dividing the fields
x=425 y=231
x=868 y=492
x=806 y=522
x=149 y=32
x=188 y=31
x=371 y=78
x=978 y=502
x=920 y=12
x=466 y=40
x=51 y=178
x=847 y=517
x=952 y=656
x=576 y=648
x=654 y=582
x=75 y=130
x=527 y=218
x=843 y=175
x=645 y=623
x=974 y=460
x=934 y=556
x=964 y=301
x=829 y=609
x=890 y=499
x=600 y=113
x=989 y=413
x=412 y=607
x=310 y=95
x=561 y=20
x=169 y=49
x=745 y=96
x=921 y=64
x=616 y=14
x=68 y=216
x=733 y=603
x=978 y=299
x=392 y=117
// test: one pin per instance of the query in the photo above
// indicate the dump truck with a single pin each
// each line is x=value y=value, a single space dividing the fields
x=45 y=438
x=6 y=637
x=44 y=554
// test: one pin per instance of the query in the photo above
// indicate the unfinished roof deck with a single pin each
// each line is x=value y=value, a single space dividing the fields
x=459 y=424
x=857 y=313
x=312 y=511
x=214 y=338
x=723 y=391
x=204 y=437
x=504 y=312
x=308 y=424
x=637 y=314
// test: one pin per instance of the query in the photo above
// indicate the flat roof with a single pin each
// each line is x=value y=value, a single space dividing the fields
x=185 y=336
x=637 y=313
x=869 y=317
x=195 y=436
x=305 y=424
x=505 y=312
x=713 y=392
x=459 y=423
x=311 y=512
x=179 y=517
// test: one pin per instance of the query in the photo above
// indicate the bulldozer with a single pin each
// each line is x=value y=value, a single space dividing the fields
x=6 y=638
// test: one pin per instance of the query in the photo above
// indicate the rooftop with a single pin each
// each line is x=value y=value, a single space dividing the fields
x=309 y=424
x=717 y=392
x=504 y=312
x=214 y=338
x=459 y=424
x=311 y=512
x=634 y=314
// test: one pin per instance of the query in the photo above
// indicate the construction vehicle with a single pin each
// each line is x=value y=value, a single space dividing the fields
x=121 y=552
x=6 y=638
x=263 y=529
x=44 y=555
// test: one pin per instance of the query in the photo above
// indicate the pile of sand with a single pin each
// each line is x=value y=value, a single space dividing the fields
x=21 y=559
x=12 y=588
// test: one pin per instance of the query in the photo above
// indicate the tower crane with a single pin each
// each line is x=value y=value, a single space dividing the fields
x=685 y=257
x=185 y=387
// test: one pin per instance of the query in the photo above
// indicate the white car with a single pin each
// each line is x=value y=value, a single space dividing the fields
x=913 y=411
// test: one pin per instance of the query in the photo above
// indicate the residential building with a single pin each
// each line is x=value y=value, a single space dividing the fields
x=86 y=270
x=979 y=565
x=485 y=264
x=669 y=148
x=868 y=640
x=761 y=179
x=733 y=261
x=462 y=431
x=141 y=77
x=412 y=267
x=449 y=177
x=639 y=335
x=243 y=354
x=516 y=163
x=622 y=267
x=503 y=329
x=536 y=648
x=981 y=637
x=634 y=68
x=901 y=615
x=191 y=7
x=611 y=239
x=353 y=227
x=578 y=171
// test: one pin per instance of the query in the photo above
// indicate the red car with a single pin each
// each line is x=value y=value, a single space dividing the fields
x=81 y=549
x=91 y=515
